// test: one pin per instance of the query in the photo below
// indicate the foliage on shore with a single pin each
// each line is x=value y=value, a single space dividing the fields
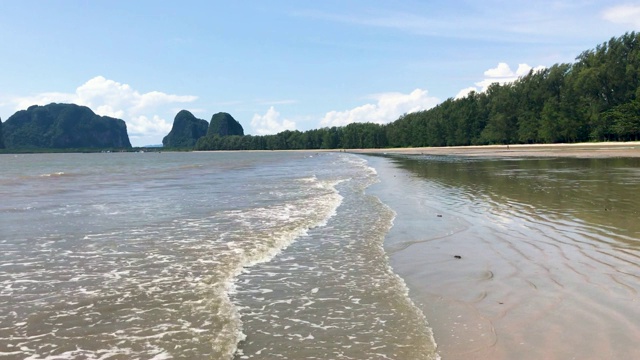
x=597 y=98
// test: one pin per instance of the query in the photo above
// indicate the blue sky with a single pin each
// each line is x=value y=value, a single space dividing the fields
x=277 y=65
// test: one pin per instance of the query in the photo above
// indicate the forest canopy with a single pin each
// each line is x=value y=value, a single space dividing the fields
x=594 y=99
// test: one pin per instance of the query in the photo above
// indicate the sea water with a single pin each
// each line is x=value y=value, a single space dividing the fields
x=264 y=255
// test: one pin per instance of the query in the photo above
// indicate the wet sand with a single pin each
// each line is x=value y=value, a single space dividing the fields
x=524 y=259
x=579 y=150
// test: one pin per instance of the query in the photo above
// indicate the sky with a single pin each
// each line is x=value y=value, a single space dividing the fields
x=283 y=65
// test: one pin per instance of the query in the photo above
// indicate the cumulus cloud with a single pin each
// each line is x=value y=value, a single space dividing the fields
x=501 y=74
x=623 y=14
x=270 y=123
x=387 y=108
x=143 y=112
x=466 y=91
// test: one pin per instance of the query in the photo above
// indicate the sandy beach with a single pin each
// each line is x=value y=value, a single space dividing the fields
x=516 y=254
x=578 y=150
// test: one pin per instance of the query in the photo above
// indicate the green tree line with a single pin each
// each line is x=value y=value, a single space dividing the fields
x=597 y=98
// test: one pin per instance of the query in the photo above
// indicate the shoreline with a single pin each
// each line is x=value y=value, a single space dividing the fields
x=577 y=150
x=513 y=273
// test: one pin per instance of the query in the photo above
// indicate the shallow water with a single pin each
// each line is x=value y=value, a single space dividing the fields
x=199 y=255
x=519 y=258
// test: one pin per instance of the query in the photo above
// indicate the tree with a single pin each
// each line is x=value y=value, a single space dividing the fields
x=502 y=122
x=625 y=119
x=597 y=97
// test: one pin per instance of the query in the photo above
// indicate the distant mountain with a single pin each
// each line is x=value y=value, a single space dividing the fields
x=1 y=136
x=62 y=126
x=223 y=124
x=186 y=130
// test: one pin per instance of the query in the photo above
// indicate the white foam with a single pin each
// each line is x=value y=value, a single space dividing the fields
x=59 y=173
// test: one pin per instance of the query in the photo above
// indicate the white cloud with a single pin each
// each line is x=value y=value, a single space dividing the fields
x=143 y=125
x=501 y=74
x=22 y=103
x=270 y=123
x=466 y=91
x=500 y=71
x=388 y=107
x=623 y=14
x=144 y=112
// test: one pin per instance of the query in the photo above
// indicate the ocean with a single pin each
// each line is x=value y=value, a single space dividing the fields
x=212 y=255
x=327 y=255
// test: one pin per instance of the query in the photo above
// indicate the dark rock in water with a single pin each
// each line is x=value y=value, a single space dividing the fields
x=457 y=256
x=186 y=131
x=439 y=215
x=223 y=124
x=63 y=126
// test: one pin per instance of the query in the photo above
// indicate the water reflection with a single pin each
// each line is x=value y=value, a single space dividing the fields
x=600 y=192
x=547 y=253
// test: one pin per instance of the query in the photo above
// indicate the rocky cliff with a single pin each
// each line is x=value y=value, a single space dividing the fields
x=1 y=136
x=223 y=124
x=62 y=126
x=186 y=130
